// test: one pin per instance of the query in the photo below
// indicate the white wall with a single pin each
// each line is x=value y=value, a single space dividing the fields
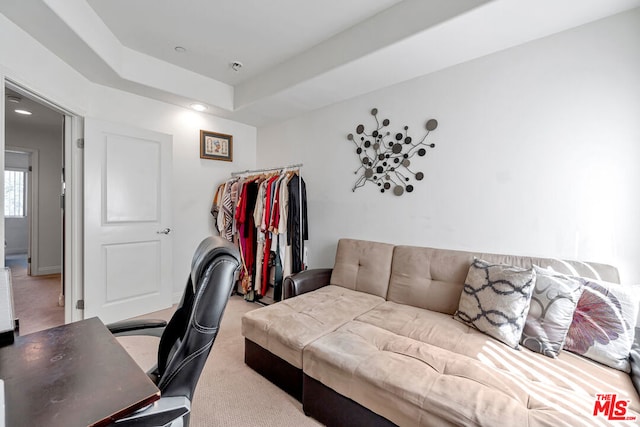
x=16 y=229
x=537 y=153
x=26 y=61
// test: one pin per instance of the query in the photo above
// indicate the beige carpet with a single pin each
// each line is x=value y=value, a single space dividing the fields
x=229 y=393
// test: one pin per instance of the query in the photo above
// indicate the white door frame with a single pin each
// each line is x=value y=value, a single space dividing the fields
x=73 y=203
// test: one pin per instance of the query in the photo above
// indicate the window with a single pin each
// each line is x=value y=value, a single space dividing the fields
x=14 y=193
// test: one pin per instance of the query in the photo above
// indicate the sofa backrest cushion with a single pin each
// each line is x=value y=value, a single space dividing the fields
x=363 y=266
x=433 y=278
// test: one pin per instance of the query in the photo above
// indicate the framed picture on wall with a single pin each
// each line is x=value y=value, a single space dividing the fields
x=216 y=146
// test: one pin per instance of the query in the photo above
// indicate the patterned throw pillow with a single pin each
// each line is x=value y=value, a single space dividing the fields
x=603 y=325
x=495 y=300
x=550 y=315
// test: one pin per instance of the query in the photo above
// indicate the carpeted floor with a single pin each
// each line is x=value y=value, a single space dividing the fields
x=229 y=393
x=35 y=298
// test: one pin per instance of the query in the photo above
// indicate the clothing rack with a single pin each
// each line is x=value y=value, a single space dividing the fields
x=282 y=169
x=298 y=165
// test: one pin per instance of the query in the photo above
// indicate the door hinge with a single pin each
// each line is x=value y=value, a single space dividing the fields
x=80 y=142
x=30 y=169
x=29 y=260
x=62 y=201
x=80 y=304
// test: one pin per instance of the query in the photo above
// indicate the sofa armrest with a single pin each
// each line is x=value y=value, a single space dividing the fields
x=305 y=281
x=634 y=359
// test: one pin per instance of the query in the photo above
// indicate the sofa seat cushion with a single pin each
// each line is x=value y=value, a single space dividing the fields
x=415 y=383
x=286 y=327
x=568 y=372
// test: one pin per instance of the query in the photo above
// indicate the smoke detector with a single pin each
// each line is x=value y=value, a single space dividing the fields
x=236 y=65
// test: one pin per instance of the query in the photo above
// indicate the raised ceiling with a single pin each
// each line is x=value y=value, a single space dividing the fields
x=260 y=34
x=297 y=55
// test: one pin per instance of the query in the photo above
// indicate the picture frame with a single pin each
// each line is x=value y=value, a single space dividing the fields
x=216 y=146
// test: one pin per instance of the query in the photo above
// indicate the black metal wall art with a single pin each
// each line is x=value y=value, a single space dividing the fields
x=386 y=159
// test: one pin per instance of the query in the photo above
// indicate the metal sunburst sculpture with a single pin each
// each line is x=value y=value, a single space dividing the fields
x=385 y=159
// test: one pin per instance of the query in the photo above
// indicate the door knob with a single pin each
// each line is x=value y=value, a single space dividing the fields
x=165 y=231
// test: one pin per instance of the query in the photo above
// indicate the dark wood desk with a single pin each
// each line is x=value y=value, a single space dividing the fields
x=71 y=375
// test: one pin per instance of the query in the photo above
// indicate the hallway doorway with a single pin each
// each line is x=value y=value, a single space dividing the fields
x=33 y=184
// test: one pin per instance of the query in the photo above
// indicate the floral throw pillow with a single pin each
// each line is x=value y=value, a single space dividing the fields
x=495 y=300
x=553 y=303
x=603 y=325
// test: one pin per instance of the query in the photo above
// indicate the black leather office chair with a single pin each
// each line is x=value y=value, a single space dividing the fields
x=185 y=342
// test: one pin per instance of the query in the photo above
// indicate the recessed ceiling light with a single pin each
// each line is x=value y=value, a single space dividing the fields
x=198 y=107
x=14 y=99
x=236 y=65
x=25 y=112
x=180 y=49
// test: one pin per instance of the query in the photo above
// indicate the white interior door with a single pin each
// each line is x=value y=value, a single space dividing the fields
x=127 y=260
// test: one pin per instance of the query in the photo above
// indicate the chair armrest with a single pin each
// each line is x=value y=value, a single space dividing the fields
x=634 y=359
x=305 y=281
x=168 y=411
x=152 y=327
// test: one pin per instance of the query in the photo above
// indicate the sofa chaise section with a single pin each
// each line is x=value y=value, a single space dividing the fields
x=275 y=336
x=426 y=369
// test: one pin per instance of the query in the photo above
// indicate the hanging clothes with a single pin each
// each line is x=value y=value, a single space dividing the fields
x=260 y=213
x=261 y=237
x=297 y=228
x=246 y=230
x=223 y=208
x=215 y=206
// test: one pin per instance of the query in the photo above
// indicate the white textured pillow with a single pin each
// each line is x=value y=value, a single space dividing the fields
x=603 y=325
x=495 y=300
x=553 y=303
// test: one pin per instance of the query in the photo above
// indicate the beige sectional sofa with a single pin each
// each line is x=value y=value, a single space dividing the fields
x=373 y=341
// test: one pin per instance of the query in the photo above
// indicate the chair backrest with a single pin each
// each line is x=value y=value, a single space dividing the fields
x=189 y=335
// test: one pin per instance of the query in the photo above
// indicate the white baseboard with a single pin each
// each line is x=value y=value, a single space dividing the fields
x=14 y=251
x=42 y=271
